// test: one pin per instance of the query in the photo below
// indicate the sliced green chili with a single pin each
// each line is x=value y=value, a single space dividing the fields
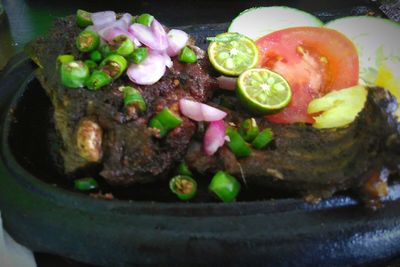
x=97 y=80
x=145 y=19
x=87 y=41
x=225 y=186
x=65 y=58
x=138 y=55
x=83 y=18
x=74 y=74
x=122 y=45
x=263 y=138
x=183 y=169
x=91 y=64
x=114 y=65
x=249 y=129
x=165 y=121
x=237 y=144
x=96 y=56
x=184 y=187
x=105 y=50
x=132 y=96
x=187 y=55
x=85 y=184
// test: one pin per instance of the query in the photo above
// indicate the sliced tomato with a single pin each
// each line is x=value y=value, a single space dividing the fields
x=313 y=60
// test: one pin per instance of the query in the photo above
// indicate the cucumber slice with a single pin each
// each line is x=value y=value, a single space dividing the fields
x=377 y=41
x=259 y=21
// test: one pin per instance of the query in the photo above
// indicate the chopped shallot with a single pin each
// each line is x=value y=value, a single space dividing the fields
x=200 y=112
x=214 y=137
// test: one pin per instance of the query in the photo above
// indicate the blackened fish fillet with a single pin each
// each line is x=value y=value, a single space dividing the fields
x=311 y=161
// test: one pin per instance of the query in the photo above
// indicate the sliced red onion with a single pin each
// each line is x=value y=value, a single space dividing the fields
x=148 y=36
x=149 y=71
x=168 y=61
x=212 y=114
x=101 y=18
x=228 y=83
x=191 y=109
x=160 y=35
x=200 y=112
x=127 y=18
x=214 y=137
x=114 y=32
x=177 y=40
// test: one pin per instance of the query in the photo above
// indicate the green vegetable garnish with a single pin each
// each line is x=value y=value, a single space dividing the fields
x=183 y=186
x=85 y=184
x=138 y=55
x=96 y=56
x=74 y=74
x=187 y=55
x=98 y=79
x=262 y=139
x=165 y=121
x=87 y=41
x=183 y=169
x=114 y=65
x=91 y=64
x=105 y=50
x=145 y=19
x=132 y=96
x=225 y=186
x=122 y=45
x=249 y=129
x=65 y=58
x=83 y=18
x=236 y=143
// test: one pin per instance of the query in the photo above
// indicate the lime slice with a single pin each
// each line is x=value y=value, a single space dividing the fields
x=232 y=53
x=263 y=91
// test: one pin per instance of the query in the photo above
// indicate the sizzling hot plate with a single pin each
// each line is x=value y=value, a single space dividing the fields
x=282 y=232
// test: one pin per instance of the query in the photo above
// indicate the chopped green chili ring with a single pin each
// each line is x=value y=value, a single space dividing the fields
x=262 y=139
x=236 y=143
x=156 y=124
x=133 y=96
x=184 y=187
x=122 y=45
x=183 y=169
x=114 y=65
x=83 y=18
x=249 y=129
x=105 y=50
x=165 y=121
x=87 y=41
x=91 y=64
x=97 y=80
x=138 y=55
x=96 y=56
x=85 y=184
x=65 y=58
x=145 y=19
x=225 y=186
x=74 y=74
x=187 y=55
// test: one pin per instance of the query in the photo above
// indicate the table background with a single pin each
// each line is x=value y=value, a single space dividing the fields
x=23 y=20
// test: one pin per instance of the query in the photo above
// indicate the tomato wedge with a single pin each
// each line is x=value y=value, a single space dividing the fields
x=314 y=61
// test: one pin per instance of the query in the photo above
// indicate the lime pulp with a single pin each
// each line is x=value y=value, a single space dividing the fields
x=233 y=53
x=263 y=91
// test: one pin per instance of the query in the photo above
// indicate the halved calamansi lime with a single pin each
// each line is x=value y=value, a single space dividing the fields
x=263 y=91
x=232 y=53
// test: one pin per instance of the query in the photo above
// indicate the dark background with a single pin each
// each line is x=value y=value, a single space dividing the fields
x=25 y=20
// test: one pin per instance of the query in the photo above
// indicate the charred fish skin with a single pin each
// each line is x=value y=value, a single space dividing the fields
x=128 y=152
x=312 y=162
